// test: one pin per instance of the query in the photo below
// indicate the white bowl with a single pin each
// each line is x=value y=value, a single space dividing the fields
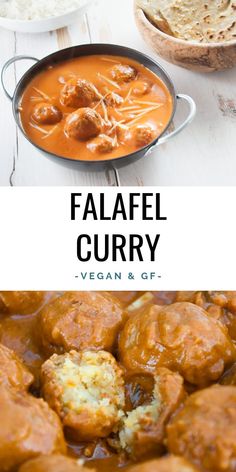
x=46 y=24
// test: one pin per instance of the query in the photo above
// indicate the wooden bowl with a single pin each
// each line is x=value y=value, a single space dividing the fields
x=194 y=56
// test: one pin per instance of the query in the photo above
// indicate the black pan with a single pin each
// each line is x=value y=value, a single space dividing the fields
x=93 y=49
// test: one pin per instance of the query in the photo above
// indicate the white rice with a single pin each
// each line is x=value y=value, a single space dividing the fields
x=37 y=9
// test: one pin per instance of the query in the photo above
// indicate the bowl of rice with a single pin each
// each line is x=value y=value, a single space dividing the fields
x=39 y=16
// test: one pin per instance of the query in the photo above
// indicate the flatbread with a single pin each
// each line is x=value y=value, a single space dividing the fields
x=198 y=20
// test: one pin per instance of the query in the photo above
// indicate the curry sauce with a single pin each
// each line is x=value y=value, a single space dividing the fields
x=95 y=108
x=171 y=349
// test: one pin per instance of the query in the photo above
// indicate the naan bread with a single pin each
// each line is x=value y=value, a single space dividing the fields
x=196 y=20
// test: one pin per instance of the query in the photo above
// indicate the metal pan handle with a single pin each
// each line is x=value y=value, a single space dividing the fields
x=189 y=119
x=7 y=65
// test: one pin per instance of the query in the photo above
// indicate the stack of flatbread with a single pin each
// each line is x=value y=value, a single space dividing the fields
x=203 y=21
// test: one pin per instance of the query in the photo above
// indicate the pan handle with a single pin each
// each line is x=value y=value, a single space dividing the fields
x=7 y=65
x=189 y=119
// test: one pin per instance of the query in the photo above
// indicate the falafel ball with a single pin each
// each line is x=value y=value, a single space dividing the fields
x=224 y=299
x=81 y=321
x=83 y=124
x=29 y=428
x=123 y=73
x=102 y=144
x=222 y=305
x=181 y=337
x=21 y=303
x=144 y=135
x=86 y=389
x=79 y=93
x=204 y=430
x=169 y=463
x=54 y=463
x=13 y=373
x=219 y=305
x=46 y=114
x=143 y=429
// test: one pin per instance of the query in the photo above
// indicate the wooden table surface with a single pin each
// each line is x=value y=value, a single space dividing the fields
x=203 y=154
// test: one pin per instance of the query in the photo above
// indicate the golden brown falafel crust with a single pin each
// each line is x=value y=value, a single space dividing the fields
x=165 y=464
x=219 y=305
x=78 y=93
x=54 y=463
x=13 y=372
x=83 y=124
x=123 y=73
x=29 y=428
x=181 y=337
x=46 y=114
x=22 y=303
x=80 y=321
x=204 y=430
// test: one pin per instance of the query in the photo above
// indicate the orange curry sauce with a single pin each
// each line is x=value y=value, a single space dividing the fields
x=145 y=102
x=20 y=333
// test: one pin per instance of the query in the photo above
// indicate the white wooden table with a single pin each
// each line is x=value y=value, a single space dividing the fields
x=204 y=154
